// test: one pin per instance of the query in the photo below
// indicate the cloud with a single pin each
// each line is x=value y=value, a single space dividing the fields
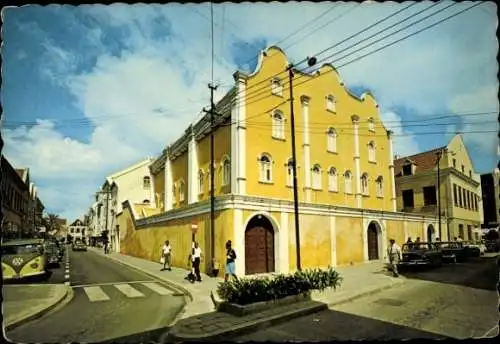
x=404 y=143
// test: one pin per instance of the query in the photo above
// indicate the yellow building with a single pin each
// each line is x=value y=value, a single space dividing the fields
x=460 y=188
x=345 y=178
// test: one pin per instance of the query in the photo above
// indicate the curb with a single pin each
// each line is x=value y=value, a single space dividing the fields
x=256 y=325
x=173 y=285
x=42 y=312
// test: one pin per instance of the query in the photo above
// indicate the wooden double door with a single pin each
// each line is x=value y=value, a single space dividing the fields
x=373 y=242
x=259 y=249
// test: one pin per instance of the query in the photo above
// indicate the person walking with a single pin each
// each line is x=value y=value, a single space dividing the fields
x=196 y=261
x=230 y=265
x=394 y=254
x=167 y=253
x=106 y=246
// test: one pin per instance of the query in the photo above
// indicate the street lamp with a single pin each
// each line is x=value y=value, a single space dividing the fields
x=311 y=61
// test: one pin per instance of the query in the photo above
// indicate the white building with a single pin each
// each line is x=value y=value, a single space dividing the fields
x=78 y=230
x=133 y=184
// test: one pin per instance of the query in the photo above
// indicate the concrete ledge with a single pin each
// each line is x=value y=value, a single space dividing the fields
x=251 y=326
x=242 y=310
x=66 y=295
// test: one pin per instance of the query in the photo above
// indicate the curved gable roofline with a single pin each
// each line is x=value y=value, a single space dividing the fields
x=265 y=53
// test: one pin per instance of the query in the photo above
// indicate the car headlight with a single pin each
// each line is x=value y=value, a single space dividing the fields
x=34 y=265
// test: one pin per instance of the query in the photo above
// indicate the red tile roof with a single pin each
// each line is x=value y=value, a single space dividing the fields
x=424 y=162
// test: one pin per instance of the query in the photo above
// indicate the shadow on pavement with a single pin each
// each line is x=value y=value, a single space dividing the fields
x=330 y=325
x=478 y=273
x=152 y=336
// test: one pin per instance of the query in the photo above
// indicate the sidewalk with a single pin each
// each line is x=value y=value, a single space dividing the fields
x=23 y=303
x=199 y=319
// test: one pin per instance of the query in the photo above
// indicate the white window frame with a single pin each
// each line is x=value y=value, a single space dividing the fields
x=226 y=172
x=277 y=87
x=330 y=103
x=201 y=182
x=365 y=190
x=348 y=182
x=265 y=169
x=380 y=186
x=371 y=152
x=316 y=177
x=278 y=125
x=181 y=191
x=371 y=124
x=146 y=185
x=289 y=172
x=331 y=140
x=332 y=179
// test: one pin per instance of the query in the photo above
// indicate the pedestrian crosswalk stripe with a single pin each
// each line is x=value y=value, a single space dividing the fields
x=157 y=288
x=128 y=290
x=96 y=294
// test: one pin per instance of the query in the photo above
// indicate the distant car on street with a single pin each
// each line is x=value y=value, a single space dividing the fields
x=475 y=248
x=23 y=259
x=420 y=254
x=52 y=256
x=453 y=251
x=79 y=245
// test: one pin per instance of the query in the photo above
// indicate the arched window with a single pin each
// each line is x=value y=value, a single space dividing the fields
x=348 y=182
x=380 y=186
x=266 y=172
x=371 y=151
x=146 y=182
x=201 y=184
x=276 y=87
x=146 y=201
x=278 y=125
x=289 y=172
x=181 y=192
x=174 y=196
x=364 y=184
x=332 y=179
x=330 y=103
x=371 y=124
x=331 y=140
x=316 y=176
x=226 y=172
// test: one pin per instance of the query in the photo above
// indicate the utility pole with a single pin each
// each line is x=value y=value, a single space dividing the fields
x=212 y=174
x=294 y=169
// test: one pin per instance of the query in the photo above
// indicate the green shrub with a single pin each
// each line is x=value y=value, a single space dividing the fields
x=250 y=290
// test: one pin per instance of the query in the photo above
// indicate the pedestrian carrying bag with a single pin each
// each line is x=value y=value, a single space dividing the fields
x=162 y=260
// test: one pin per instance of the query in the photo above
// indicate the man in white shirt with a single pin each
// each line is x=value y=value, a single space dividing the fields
x=196 y=261
x=394 y=254
x=167 y=253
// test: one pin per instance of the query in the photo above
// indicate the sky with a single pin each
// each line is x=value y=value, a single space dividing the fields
x=89 y=90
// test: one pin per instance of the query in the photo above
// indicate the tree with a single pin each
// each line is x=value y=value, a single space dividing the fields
x=52 y=221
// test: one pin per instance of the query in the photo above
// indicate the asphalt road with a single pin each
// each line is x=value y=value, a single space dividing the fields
x=458 y=301
x=111 y=302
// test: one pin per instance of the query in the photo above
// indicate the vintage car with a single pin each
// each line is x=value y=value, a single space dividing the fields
x=453 y=251
x=54 y=245
x=420 y=254
x=23 y=259
x=79 y=245
x=475 y=248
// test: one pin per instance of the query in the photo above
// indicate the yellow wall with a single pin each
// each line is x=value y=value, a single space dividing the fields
x=349 y=237
x=222 y=147
x=259 y=135
x=415 y=230
x=395 y=230
x=147 y=242
x=159 y=184
x=180 y=173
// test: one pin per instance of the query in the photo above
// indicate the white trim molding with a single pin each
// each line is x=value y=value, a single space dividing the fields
x=284 y=261
x=169 y=197
x=356 y=157
x=238 y=135
x=304 y=101
x=192 y=170
x=239 y=241
x=391 y=172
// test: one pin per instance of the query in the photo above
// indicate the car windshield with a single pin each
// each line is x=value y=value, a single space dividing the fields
x=416 y=246
x=21 y=249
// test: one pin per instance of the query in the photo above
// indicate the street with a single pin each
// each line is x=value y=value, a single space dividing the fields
x=458 y=301
x=107 y=301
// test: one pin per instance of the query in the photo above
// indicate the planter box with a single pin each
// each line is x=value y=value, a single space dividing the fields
x=242 y=310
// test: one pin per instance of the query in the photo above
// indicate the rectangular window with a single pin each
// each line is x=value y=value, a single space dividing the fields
x=468 y=200
x=460 y=204
x=475 y=201
x=408 y=199
x=430 y=195
x=455 y=163
x=407 y=170
x=465 y=199
x=470 y=174
x=463 y=169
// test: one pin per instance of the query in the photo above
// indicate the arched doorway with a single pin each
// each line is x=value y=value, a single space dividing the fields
x=430 y=233
x=373 y=241
x=259 y=246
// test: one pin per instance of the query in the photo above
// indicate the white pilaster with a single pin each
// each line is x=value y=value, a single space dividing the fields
x=152 y=199
x=239 y=126
x=384 y=239
x=333 y=241
x=239 y=241
x=235 y=158
x=304 y=100
x=192 y=170
x=391 y=172
x=357 y=168
x=364 y=230
x=169 y=197
x=284 y=263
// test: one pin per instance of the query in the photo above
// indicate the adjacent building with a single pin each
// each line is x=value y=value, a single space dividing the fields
x=78 y=230
x=490 y=185
x=345 y=175
x=459 y=193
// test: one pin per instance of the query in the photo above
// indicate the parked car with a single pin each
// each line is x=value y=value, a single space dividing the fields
x=52 y=256
x=492 y=241
x=475 y=248
x=60 y=248
x=453 y=251
x=420 y=254
x=79 y=245
x=23 y=259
